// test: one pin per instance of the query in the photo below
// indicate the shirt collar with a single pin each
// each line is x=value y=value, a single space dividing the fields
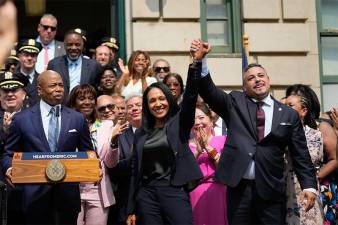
x=267 y=100
x=49 y=46
x=29 y=75
x=78 y=61
x=45 y=107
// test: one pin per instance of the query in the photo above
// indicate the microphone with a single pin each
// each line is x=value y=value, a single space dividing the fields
x=57 y=111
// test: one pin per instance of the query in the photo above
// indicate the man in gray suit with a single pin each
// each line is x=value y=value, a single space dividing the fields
x=51 y=48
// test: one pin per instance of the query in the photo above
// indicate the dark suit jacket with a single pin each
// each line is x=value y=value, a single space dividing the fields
x=32 y=96
x=239 y=114
x=89 y=71
x=27 y=135
x=185 y=171
x=121 y=173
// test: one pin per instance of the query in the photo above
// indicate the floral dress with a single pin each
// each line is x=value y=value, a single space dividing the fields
x=296 y=214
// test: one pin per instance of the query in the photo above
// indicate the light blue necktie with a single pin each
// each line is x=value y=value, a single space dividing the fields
x=72 y=67
x=53 y=130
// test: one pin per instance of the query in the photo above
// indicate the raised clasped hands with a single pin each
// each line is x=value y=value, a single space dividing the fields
x=307 y=200
x=199 y=49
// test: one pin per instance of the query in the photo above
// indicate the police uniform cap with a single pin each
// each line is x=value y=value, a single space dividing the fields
x=110 y=42
x=82 y=32
x=13 y=56
x=29 y=46
x=12 y=81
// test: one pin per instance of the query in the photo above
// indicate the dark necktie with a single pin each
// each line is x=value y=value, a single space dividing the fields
x=53 y=130
x=260 y=122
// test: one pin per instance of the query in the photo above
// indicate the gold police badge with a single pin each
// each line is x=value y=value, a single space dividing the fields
x=55 y=170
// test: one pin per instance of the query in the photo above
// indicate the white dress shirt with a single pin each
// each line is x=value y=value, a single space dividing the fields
x=40 y=63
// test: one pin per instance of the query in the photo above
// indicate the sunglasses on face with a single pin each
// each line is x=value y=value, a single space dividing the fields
x=46 y=27
x=103 y=108
x=159 y=69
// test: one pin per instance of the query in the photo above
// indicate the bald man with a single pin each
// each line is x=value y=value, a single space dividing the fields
x=48 y=126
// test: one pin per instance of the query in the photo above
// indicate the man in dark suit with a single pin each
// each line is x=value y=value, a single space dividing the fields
x=73 y=67
x=259 y=130
x=28 y=50
x=121 y=172
x=36 y=130
x=51 y=48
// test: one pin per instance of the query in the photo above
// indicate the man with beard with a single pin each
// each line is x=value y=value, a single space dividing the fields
x=48 y=126
x=73 y=67
x=28 y=51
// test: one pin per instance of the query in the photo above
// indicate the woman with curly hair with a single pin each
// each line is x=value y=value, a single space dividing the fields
x=321 y=147
x=135 y=77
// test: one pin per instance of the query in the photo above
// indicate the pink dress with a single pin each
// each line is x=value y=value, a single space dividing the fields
x=208 y=200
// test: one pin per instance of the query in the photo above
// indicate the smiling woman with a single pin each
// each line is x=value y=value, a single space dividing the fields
x=169 y=169
x=135 y=77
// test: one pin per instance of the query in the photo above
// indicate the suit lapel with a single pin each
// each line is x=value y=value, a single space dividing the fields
x=139 y=149
x=64 y=67
x=37 y=121
x=65 y=121
x=252 y=110
x=84 y=71
x=277 y=113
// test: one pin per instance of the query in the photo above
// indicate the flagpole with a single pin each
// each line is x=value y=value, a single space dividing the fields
x=246 y=46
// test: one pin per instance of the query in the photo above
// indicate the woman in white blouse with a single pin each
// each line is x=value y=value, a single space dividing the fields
x=135 y=78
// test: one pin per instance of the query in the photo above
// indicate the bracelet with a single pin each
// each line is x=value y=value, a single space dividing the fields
x=212 y=153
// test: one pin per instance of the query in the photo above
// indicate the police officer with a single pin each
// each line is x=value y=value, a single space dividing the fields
x=112 y=44
x=28 y=51
x=12 y=61
x=12 y=96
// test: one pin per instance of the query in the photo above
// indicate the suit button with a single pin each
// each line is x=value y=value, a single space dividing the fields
x=250 y=154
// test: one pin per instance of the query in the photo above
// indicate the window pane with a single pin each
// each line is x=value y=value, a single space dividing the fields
x=216 y=9
x=216 y=31
x=330 y=96
x=330 y=55
x=329 y=14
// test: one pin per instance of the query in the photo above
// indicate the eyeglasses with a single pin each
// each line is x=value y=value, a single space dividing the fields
x=158 y=69
x=103 y=108
x=46 y=27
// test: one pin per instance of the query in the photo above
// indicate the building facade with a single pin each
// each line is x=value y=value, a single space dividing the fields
x=293 y=39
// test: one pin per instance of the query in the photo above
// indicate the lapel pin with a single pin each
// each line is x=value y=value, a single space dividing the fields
x=279 y=109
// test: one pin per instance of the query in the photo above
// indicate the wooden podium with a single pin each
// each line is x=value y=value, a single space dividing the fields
x=55 y=167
